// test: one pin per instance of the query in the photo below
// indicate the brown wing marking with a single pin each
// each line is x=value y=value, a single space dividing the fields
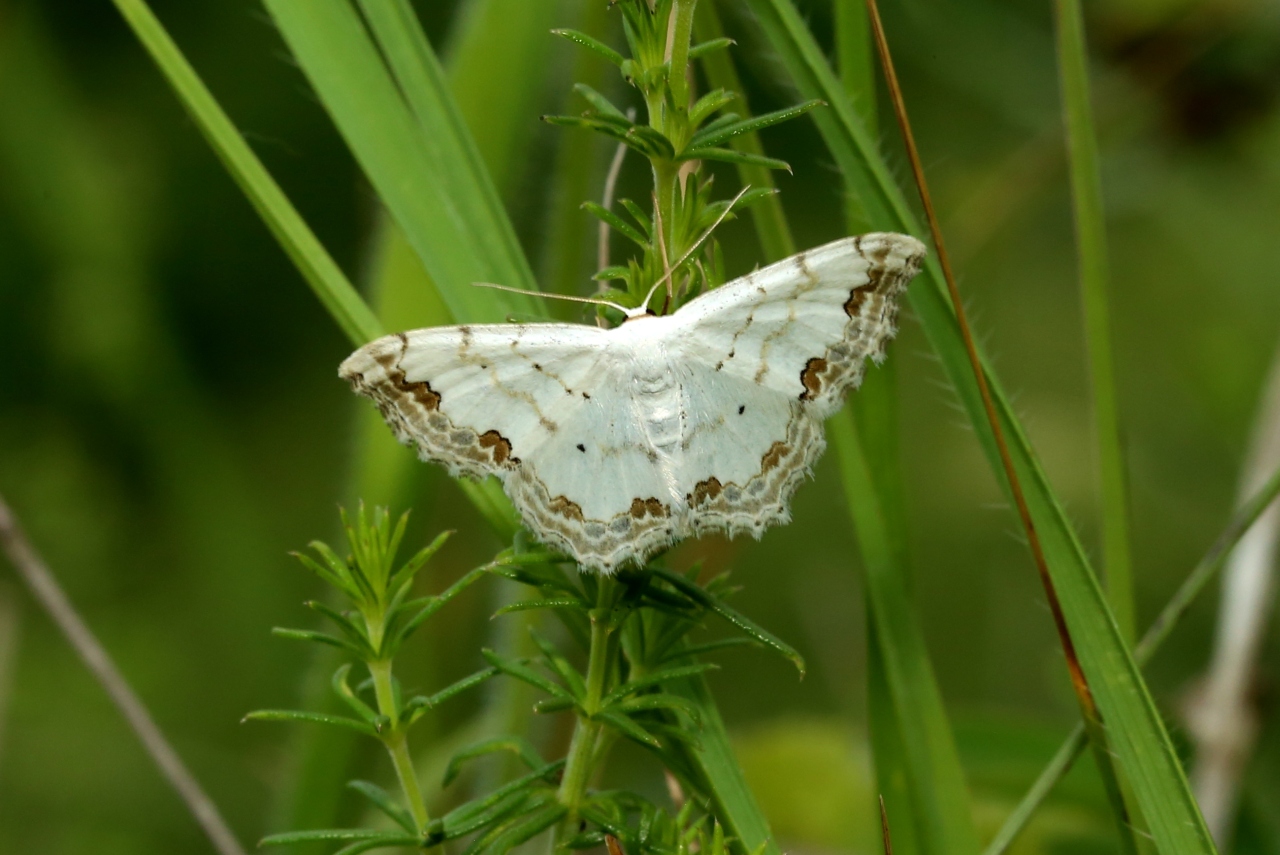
x=413 y=410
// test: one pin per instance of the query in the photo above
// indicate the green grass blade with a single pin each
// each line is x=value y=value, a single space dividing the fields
x=888 y=752
x=405 y=298
x=855 y=58
x=500 y=117
x=916 y=760
x=931 y=764
x=429 y=182
x=857 y=66
x=327 y=281
x=1091 y=242
x=426 y=87
x=1138 y=736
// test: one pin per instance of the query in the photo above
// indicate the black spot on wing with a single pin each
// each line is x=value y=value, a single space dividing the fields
x=582 y=448
x=742 y=409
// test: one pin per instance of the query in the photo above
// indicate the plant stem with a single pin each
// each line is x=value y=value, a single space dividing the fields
x=44 y=586
x=1091 y=242
x=578 y=765
x=397 y=744
x=583 y=755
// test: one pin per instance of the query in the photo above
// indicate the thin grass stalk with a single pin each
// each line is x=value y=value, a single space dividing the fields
x=1161 y=628
x=1084 y=169
x=44 y=586
x=1091 y=246
x=1079 y=682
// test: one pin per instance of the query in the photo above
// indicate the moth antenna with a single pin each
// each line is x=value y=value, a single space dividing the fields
x=597 y=301
x=699 y=242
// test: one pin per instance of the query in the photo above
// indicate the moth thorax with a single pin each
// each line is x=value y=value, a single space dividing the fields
x=659 y=399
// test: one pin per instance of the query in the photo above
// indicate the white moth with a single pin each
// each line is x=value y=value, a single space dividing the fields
x=614 y=443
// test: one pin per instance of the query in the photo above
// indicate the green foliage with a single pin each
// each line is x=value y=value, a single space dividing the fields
x=627 y=823
x=381 y=618
x=648 y=685
x=650 y=612
x=1143 y=749
x=677 y=134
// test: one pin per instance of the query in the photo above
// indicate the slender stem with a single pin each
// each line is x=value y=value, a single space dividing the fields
x=1091 y=241
x=583 y=750
x=578 y=766
x=45 y=588
x=384 y=691
x=397 y=743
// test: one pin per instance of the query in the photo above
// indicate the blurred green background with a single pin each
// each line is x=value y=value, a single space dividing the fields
x=171 y=424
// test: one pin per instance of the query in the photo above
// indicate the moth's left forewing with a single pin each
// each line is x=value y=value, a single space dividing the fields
x=478 y=398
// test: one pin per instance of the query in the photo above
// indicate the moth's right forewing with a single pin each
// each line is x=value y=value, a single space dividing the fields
x=805 y=325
